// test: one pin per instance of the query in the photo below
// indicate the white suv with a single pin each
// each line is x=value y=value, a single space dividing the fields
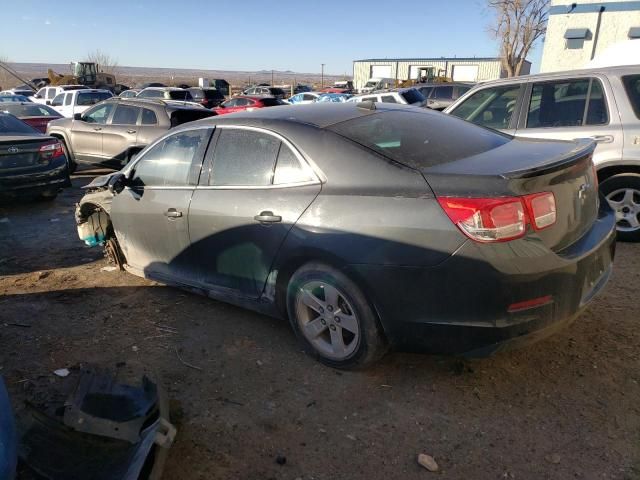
x=72 y=102
x=46 y=95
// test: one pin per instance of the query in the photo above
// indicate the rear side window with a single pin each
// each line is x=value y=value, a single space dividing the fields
x=168 y=163
x=564 y=104
x=244 y=158
x=271 y=102
x=213 y=95
x=125 y=115
x=179 y=117
x=91 y=98
x=289 y=169
x=632 y=86
x=443 y=93
x=419 y=139
x=68 y=99
x=489 y=107
x=180 y=95
x=149 y=117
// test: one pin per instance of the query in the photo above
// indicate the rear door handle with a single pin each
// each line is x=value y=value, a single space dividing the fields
x=97 y=129
x=602 y=138
x=131 y=131
x=267 y=217
x=172 y=213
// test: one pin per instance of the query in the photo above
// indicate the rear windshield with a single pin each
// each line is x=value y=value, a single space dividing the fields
x=29 y=110
x=180 y=95
x=183 y=116
x=91 y=98
x=10 y=125
x=270 y=102
x=413 y=96
x=632 y=86
x=419 y=139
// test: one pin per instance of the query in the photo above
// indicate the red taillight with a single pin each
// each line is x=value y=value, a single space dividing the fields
x=500 y=219
x=527 y=304
x=542 y=209
x=50 y=151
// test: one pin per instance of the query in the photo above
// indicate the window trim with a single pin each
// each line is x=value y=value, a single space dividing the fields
x=526 y=99
x=207 y=166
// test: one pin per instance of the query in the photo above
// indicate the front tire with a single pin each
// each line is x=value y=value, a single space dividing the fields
x=623 y=194
x=332 y=318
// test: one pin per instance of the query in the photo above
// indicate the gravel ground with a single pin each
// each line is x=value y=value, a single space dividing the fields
x=567 y=407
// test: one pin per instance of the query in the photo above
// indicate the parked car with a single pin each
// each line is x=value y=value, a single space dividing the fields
x=367 y=226
x=112 y=132
x=600 y=103
x=46 y=94
x=334 y=97
x=376 y=83
x=207 y=97
x=262 y=90
x=33 y=114
x=132 y=92
x=25 y=92
x=242 y=103
x=301 y=98
x=440 y=95
x=72 y=102
x=166 y=93
x=405 y=96
x=31 y=164
x=301 y=88
x=13 y=98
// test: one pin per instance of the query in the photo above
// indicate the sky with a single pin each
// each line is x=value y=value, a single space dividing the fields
x=248 y=35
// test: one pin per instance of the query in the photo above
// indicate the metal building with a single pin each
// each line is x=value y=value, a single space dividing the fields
x=578 y=31
x=459 y=69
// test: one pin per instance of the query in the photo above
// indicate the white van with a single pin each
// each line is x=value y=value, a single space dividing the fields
x=376 y=83
x=46 y=95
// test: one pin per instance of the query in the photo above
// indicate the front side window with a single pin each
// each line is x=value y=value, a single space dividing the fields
x=564 y=104
x=244 y=158
x=68 y=98
x=125 y=115
x=98 y=114
x=41 y=93
x=57 y=101
x=168 y=163
x=632 y=87
x=51 y=92
x=489 y=107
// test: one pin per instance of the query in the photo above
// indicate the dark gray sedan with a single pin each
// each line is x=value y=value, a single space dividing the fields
x=368 y=226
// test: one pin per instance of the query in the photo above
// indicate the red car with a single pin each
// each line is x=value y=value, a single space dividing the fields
x=33 y=114
x=335 y=90
x=242 y=103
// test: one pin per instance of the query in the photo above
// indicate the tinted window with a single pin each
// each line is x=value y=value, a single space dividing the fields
x=563 y=104
x=231 y=103
x=289 y=169
x=91 y=98
x=275 y=91
x=241 y=102
x=489 y=107
x=244 y=157
x=151 y=94
x=413 y=96
x=149 y=117
x=125 y=115
x=632 y=86
x=426 y=91
x=26 y=110
x=308 y=97
x=213 y=94
x=419 y=139
x=443 y=92
x=180 y=95
x=57 y=102
x=10 y=125
x=98 y=114
x=168 y=163
x=388 y=99
x=183 y=116
x=271 y=102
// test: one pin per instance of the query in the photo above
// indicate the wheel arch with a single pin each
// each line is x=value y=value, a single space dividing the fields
x=609 y=171
x=63 y=136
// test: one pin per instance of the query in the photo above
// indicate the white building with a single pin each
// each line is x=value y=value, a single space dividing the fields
x=458 y=69
x=579 y=31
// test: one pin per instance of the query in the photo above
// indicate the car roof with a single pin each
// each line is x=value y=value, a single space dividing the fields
x=444 y=84
x=163 y=89
x=157 y=102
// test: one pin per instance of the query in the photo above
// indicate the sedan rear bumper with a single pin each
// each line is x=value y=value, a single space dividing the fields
x=476 y=302
x=15 y=182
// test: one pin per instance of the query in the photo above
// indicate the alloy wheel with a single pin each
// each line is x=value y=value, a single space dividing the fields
x=626 y=203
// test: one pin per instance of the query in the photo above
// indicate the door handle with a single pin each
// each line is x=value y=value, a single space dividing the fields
x=131 y=131
x=267 y=217
x=172 y=213
x=602 y=138
x=97 y=129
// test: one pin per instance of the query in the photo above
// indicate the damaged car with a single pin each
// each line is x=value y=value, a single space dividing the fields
x=369 y=226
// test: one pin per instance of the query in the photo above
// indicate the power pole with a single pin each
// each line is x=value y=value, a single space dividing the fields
x=272 y=78
x=322 y=76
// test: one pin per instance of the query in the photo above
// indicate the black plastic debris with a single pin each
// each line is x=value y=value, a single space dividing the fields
x=102 y=424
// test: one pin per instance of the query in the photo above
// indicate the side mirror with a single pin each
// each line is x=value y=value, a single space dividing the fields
x=77 y=116
x=48 y=102
x=117 y=182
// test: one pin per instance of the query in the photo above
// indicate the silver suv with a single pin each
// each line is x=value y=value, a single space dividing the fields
x=112 y=132
x=602 y=104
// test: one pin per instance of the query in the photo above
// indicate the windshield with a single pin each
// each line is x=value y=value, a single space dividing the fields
x=419 y=139
x=10 y=125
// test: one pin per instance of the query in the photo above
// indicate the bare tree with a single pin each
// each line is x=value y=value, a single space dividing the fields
x=6 y=80
x=518 y=24
x=106 y=63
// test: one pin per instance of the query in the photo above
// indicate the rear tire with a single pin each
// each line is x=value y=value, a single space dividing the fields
x=623 y=194
x=332 y=318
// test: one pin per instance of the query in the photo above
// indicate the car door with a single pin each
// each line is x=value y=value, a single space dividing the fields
x=493 y=107
x=567 y=109
x=57 y=104
x=120 y=132
x=67 y=107
x=254 y=187
x=86 y=133
x=150 y=215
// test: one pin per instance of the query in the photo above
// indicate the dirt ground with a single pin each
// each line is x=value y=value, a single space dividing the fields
x=565 y=408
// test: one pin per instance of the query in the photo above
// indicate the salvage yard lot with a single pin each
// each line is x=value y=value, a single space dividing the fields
x=564 y=408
